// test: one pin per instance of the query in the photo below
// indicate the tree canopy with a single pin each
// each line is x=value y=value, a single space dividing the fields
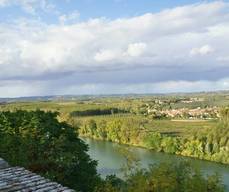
x=38 y=142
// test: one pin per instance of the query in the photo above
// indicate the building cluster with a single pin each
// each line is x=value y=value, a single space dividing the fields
x=192 y=99
x=197 y=113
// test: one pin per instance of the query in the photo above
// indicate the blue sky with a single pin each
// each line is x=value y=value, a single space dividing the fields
x=111 y=9
x=117 y=46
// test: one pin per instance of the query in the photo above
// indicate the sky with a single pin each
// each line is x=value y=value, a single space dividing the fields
x=62 y=47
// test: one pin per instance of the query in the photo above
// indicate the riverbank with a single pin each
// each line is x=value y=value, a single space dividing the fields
x=144 y=146
x=197 y=140
x=110 y=159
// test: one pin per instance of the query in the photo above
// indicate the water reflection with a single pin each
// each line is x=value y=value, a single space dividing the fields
x=110 y=159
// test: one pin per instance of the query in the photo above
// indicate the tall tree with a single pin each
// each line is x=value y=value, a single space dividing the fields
x=38 y=141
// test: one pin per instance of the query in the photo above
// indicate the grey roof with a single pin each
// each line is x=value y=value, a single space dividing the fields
x=3 y=164
x=17 y=179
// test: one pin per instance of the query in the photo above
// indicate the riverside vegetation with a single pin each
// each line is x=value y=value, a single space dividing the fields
x=211 y=143
x=138 y=120
x=28 y=129
x=39 y=142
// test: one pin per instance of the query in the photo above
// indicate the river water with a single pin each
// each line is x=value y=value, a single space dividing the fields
x=110 y=159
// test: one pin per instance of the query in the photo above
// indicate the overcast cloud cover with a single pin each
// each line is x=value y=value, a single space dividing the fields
x=184 y=48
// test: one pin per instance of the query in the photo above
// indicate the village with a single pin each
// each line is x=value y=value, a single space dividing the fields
x=162 y=110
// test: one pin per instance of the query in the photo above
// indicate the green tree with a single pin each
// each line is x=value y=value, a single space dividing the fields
x=38 y=141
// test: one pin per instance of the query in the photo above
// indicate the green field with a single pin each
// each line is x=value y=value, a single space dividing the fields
x=130 y=124
x=175 y=128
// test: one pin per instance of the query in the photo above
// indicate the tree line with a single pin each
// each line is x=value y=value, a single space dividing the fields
x=209 y=144
x=178 y=177
x=93 y=112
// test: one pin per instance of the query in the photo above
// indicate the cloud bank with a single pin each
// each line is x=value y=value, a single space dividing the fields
x=184 y=44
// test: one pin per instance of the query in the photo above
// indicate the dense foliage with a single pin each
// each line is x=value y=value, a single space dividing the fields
x=179 y=177
x=209 y=143
x=93 y=112
x=37 y=141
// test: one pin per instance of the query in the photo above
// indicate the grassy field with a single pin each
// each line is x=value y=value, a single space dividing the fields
x=179 y=128
x=64 y=107
x=168 y=127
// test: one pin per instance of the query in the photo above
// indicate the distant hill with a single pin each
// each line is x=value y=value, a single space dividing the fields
x=89 y=97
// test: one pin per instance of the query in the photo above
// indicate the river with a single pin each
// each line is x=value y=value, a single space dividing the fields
x=110 y=159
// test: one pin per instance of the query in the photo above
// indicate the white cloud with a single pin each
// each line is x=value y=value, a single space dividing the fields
x=30 y=6
x=136 y=49
x=71 y=17
x=162 y=42
x=105 y=55
x=204 y=50
x=170 y=35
